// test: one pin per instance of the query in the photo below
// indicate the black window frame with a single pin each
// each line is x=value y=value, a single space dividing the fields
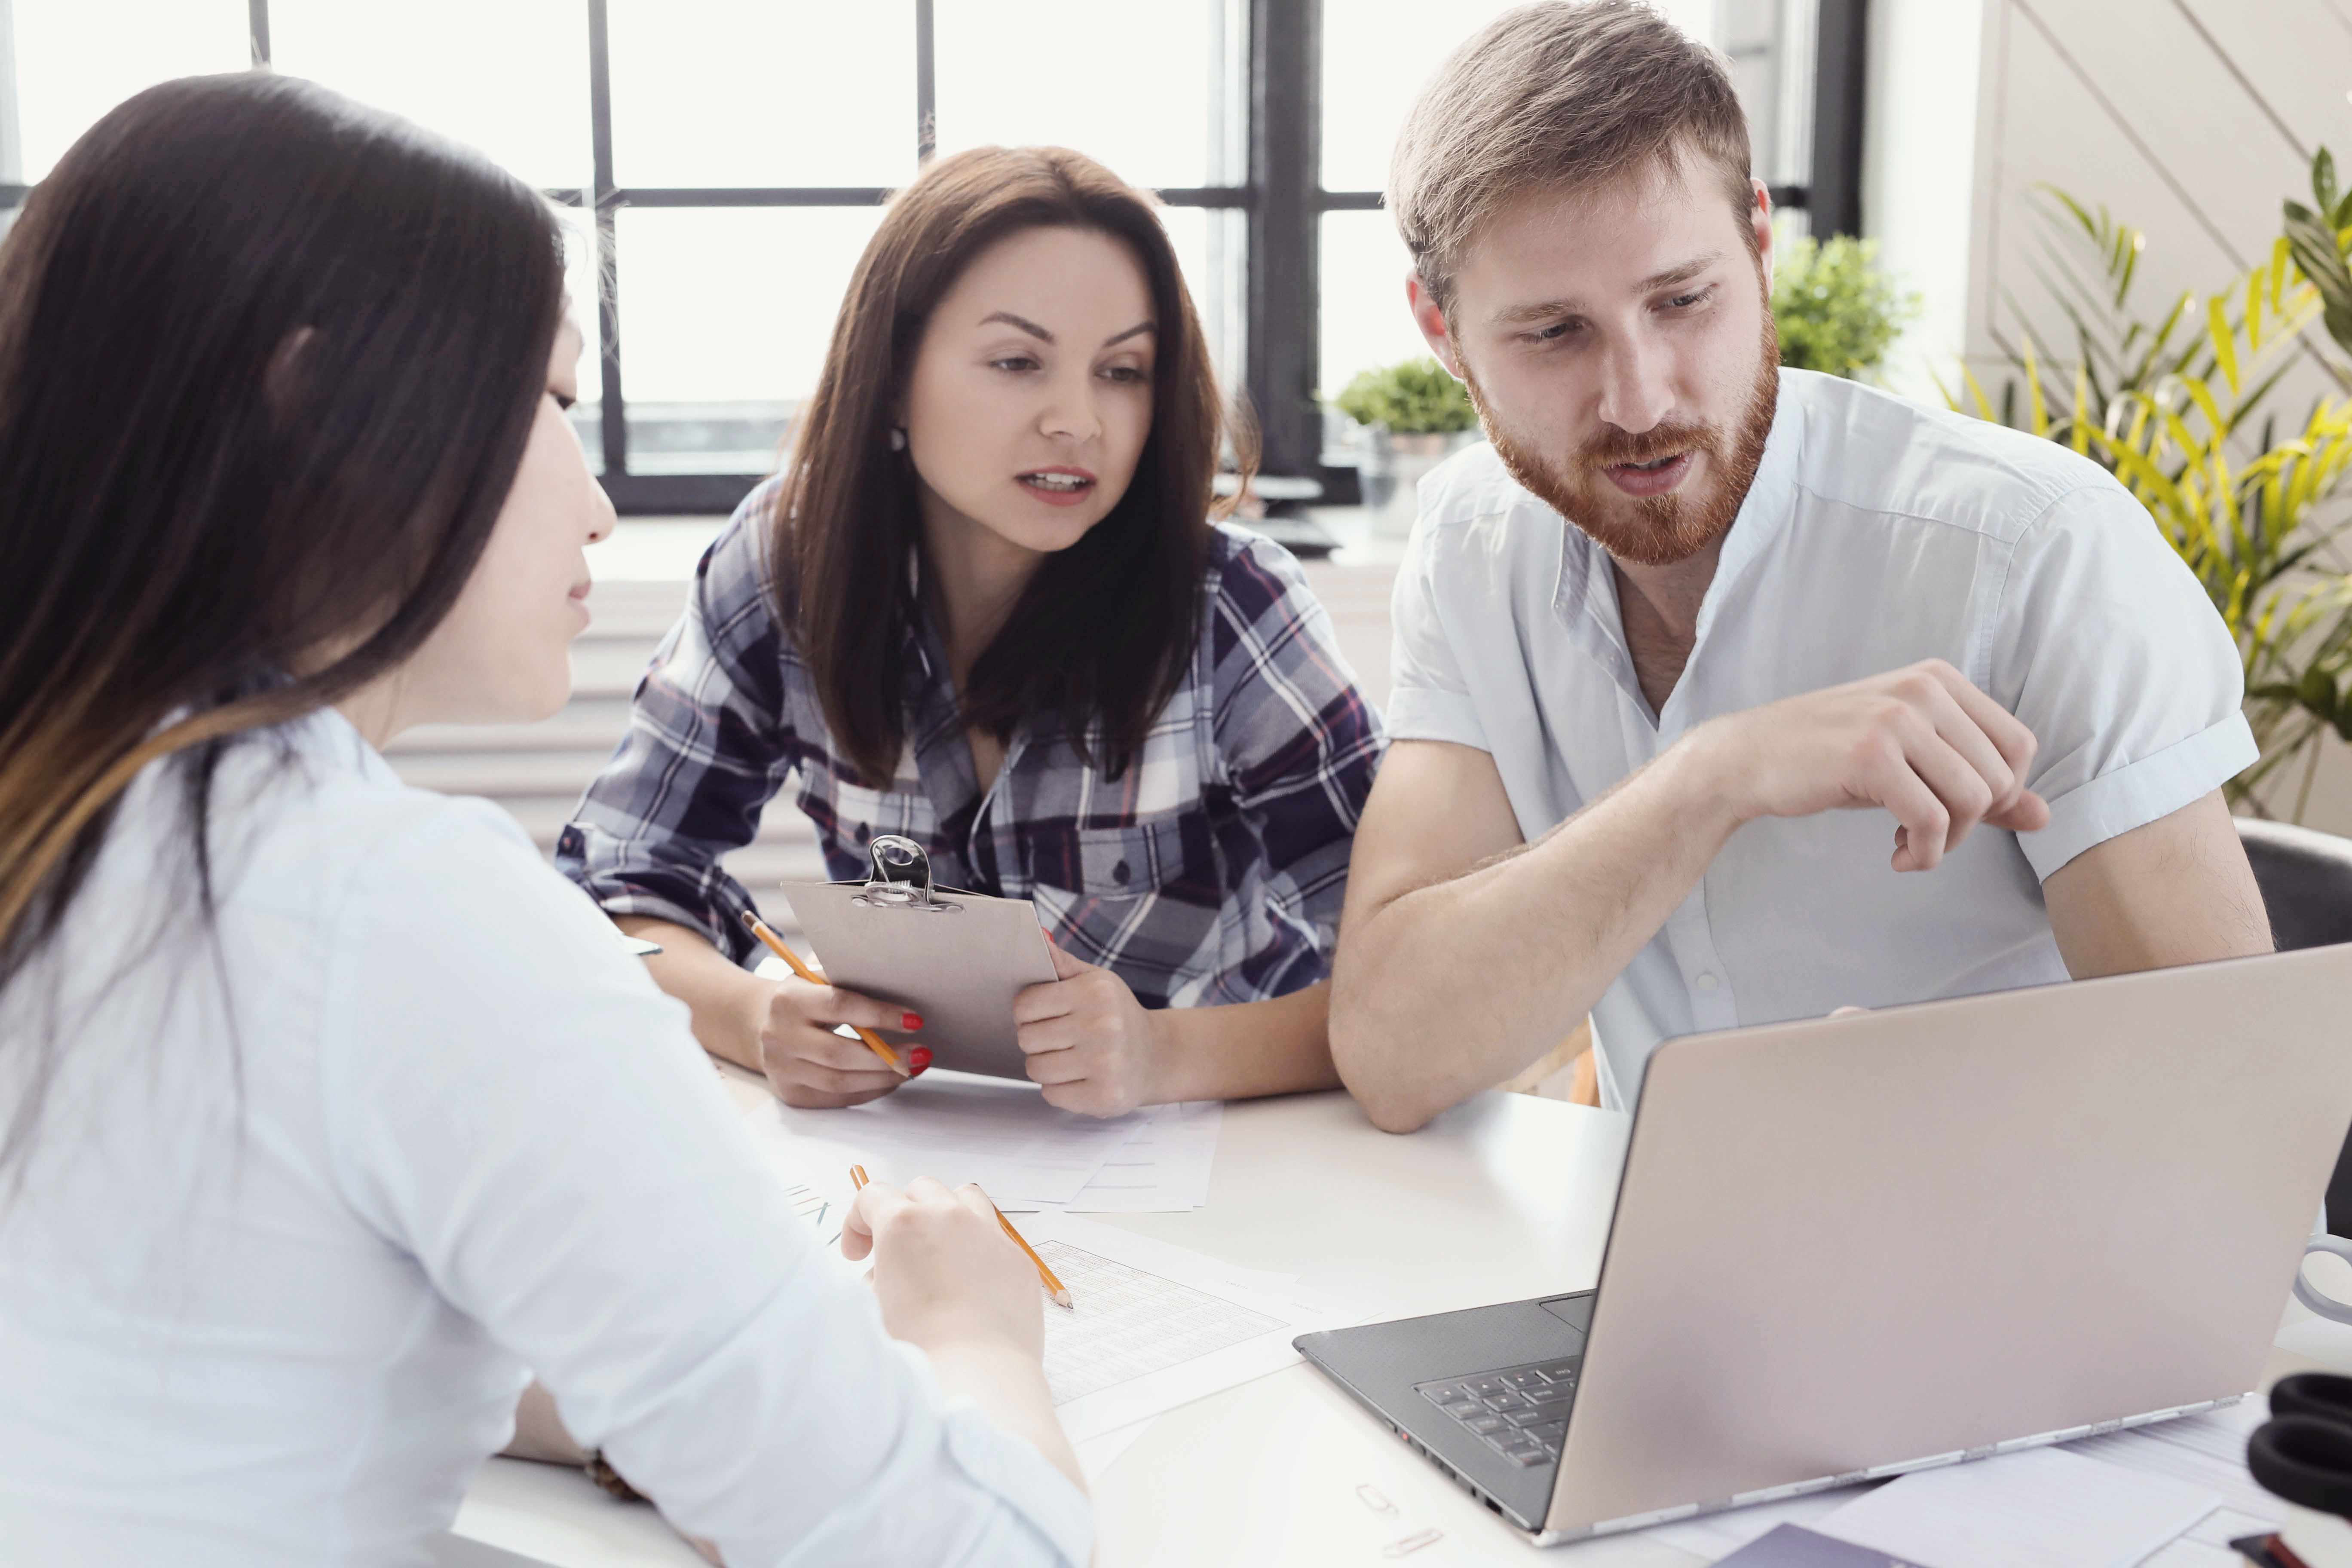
x=1282 y=198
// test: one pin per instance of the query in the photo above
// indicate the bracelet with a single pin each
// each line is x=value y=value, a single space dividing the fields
x=606 y=1477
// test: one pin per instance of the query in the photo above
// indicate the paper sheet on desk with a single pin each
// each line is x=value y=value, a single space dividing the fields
x=1162 y=1168
x=2208 y=1452
x=2038 y=1508
x=958 y=1128
x=1155 y=1326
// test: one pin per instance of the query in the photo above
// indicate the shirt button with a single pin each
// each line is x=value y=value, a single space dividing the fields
x=1118 y=873
x=1706 y=981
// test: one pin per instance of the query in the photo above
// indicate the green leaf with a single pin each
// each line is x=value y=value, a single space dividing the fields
x=2323 y=179
x=2314 y=242
x=1415 y=396
x=2225 y=341
x=2317 y=692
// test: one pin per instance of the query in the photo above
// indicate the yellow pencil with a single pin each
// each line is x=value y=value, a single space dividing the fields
x=1061 y=1293
x=874 y=1042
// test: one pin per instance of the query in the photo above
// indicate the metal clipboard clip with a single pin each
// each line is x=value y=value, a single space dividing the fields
x=901 y=878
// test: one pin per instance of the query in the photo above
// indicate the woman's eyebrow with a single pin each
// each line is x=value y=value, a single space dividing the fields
x=1010 y=320
x=1131 y=331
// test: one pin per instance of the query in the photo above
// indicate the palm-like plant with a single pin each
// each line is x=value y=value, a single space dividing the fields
x=2167 y=408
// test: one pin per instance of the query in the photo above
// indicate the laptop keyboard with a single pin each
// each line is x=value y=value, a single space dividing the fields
x=1520 y=1412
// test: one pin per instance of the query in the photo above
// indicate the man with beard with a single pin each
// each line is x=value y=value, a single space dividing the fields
x=1671 y=649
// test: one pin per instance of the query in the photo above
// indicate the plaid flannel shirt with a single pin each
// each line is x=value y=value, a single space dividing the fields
x=1211 y=872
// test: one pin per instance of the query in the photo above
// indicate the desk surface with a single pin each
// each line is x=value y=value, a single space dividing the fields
x=1502 y=1197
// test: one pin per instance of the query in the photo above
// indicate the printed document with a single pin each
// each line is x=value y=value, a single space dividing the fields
x=1154 y=1326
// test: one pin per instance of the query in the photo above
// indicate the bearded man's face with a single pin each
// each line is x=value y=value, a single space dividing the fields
x=1619 y=347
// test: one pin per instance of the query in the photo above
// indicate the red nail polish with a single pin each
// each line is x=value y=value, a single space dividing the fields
x=919 y=1059
x=910 y=1021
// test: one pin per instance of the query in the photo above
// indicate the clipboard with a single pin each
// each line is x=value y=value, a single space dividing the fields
x=958 y=959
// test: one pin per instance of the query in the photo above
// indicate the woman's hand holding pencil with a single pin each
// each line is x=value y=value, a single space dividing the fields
x=942 y=1271
x=1045 y=1275
x=808 y=1063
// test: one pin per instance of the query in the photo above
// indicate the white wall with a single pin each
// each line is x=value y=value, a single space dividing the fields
x=2192 y=119
x=1919 y=174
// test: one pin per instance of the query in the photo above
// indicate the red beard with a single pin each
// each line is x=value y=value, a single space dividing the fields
x=1651 y=530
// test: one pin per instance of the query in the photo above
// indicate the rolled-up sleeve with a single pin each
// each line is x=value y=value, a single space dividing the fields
x=1297 y=739
x=1429 y=698
x=2107 y=647
x=709 y=743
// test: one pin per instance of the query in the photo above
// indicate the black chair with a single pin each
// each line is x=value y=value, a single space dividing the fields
x=2306 y=882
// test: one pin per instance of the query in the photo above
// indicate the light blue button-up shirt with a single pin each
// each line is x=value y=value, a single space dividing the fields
x=1877 y=533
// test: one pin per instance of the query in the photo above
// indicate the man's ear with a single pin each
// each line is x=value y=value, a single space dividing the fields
x=1431 y=318
x=1760 y=214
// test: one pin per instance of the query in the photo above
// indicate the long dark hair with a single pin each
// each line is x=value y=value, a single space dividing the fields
x=268 y=360
x=1105 y=630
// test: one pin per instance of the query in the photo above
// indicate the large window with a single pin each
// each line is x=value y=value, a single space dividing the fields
x=722 y=162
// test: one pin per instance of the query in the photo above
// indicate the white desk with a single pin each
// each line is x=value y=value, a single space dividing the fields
x=1503 y=1197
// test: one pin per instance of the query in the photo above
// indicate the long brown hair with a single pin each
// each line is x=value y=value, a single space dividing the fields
x=268 y=360
x=1105 y=630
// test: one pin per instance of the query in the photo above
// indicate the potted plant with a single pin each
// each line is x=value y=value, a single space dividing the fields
x=1418 y=415
x=1835 y=311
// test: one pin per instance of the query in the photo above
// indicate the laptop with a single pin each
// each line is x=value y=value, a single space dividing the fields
x=1848 y=1247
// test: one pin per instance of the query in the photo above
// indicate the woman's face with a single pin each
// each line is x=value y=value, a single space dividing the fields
x=1029 y=399
x=503 y=653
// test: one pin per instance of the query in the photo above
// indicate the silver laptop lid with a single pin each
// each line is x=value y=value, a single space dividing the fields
x=1843 y=1245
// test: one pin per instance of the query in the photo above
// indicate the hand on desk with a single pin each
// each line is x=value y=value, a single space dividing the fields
x=1092 y=1044
x=815 y=1068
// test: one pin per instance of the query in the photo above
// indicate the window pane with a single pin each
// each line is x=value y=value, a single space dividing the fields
x=580 y=283
x=1378 y=54
x=725 y=317
x=1208 y=243
x=762 y=93
x=75 y=61
x=1141 y=89
x=510 y=79
x=1365 y=321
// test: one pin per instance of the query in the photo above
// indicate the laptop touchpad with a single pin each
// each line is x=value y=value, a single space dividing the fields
x=1575 y=1310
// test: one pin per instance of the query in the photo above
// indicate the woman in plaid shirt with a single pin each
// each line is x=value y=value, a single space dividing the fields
x=984 y=608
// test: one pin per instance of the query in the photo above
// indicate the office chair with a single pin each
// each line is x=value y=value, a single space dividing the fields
x=2306 y=882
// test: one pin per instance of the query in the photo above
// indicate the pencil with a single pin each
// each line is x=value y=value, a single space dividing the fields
x=776 y=945
x=1060 y=1291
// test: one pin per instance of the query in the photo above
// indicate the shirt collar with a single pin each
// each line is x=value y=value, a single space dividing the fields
x=1771 y=495
x=1584 y=587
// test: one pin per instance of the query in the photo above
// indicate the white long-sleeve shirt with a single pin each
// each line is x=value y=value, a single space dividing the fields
x=309 y=1194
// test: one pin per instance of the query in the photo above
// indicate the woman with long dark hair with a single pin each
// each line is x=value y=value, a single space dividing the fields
x=985 y=607
x=326 y=1109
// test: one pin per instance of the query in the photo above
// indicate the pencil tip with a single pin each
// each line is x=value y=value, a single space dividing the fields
x=1062 y=1298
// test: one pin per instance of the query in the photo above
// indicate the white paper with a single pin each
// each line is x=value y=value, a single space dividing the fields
x=1153 y=1326
x=2206 y=1451
x=957 y=1127
x=816 y=1182
x=2038 y=1508
x=1163 y=1168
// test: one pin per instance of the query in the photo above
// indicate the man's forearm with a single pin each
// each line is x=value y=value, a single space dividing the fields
x=1248 y=1049
x=726 y=999
x=1449 y=988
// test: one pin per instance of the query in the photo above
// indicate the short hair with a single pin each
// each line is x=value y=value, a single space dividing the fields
x=1560 y=96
